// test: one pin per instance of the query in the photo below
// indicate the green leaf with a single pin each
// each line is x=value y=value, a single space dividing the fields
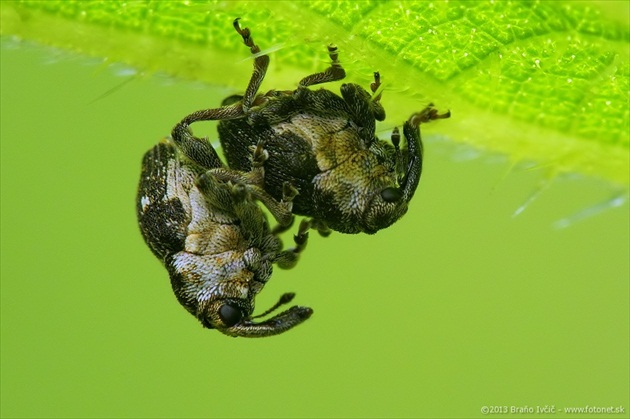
x=539 y=80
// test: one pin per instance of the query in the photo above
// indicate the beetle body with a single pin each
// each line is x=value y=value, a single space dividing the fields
x=324 y=145
x=317 y=142
x=214 y=240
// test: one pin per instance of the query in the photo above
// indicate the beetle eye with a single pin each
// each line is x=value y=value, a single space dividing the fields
x=230 y=315
x=391 y=194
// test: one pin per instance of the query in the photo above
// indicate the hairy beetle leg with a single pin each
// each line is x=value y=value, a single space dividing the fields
x=288 y=258
x=377 y=109
x=199 y=150
x=246 y=35
x=195 y=149
x=321 y=227
x=428 y=114
x=365 y=110
x=279 y=228
x=281 y=211
x=400 y=170
x=259 y=154
x=256 y=175
x=333 y=73
x=375 y=86
x=253 y=181
x=396 y=139
x=301 y=238
x=210 y=187
x=261 y=62
x=288 y=192
x=411 y=129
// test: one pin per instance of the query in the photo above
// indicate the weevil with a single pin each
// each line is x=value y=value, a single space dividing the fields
x=203 y=222
x=324 y=145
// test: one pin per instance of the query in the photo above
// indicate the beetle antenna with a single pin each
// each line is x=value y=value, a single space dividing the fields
x=395 y=138
x=284 y=299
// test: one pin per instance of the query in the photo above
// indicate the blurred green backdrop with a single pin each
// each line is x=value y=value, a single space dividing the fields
x=457 y=306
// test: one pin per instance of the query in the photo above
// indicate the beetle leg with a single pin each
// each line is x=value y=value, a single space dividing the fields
x=199 y=150
x=362 y=110
x=261 y=62
x=411 y=129
x=259 y=157
x=235 y=198
x=216 y=192
x=377 y=109
x=281 y=211
x=254 y=179
x=279 y=228
x=288 y=258
x=253 y=220
x=427 y=114
x=333 y=73
x=321 y=227
x=399 y=165
x=259 y=154
x=365 y=109
x=375 y=86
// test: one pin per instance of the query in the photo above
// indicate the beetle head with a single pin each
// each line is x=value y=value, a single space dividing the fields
x=391 y=202
x=371 y=190
x=390 y=198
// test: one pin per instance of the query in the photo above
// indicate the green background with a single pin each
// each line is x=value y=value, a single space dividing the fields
x=536 y=80
x=457 y=306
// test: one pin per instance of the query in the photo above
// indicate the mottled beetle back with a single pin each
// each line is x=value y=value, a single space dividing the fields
x=309 y=152
x=162 y=215
x=203 y=222
x=325 y=145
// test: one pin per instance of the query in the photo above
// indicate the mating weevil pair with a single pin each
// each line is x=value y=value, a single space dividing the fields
x=305 y=152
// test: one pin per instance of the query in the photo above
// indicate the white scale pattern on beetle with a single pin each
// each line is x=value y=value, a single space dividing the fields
x=144 y=202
